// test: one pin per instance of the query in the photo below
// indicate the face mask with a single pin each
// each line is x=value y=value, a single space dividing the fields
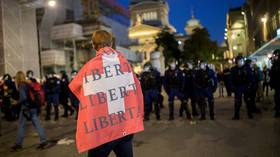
x=190 y=66
x=240 y=63
x=146 y=69
x=29 y=75
x=203 y=66
x=173 y=66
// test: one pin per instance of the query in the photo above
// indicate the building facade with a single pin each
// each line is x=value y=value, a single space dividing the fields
x=66 y=30
x=236 y=33
x=148 y=18
x=18 y=38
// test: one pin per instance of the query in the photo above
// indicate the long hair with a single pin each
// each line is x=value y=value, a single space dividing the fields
x=20 y=78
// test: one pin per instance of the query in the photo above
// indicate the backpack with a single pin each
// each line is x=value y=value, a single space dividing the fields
x=36 y=96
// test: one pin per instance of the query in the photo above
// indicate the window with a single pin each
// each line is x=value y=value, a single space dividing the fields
x=149 y=16
x=274 y=22
x=69 y=15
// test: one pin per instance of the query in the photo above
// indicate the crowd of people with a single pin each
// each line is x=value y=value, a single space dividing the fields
x=23 y=100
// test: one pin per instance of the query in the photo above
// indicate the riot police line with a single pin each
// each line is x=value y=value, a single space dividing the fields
x=195 y=84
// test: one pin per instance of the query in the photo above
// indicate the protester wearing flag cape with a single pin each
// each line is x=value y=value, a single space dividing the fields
x=111 y=102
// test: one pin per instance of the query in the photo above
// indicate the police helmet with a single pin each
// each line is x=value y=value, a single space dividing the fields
x=276 y=52
x=238 y=58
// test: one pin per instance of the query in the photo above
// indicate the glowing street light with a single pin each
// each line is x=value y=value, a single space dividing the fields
x=52 y=3
x=243 y=13
x=264 y=19
x=269 y=55
x=225 y=29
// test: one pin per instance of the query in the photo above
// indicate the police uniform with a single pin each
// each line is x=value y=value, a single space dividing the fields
x=241 y=82
x=274 y=81
x=205 y=85
x=173 y=85
x=150 y=87
x=64 y=95
x=189 y=91
x=52 y=90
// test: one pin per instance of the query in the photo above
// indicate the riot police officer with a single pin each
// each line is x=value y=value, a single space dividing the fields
x=240 y=81
x=189 y=89
x=64 y=94
x=73 y=99
x=52 y=90
x=274 y=80
x=173 y=84
x=150 y=86
x=206 y=85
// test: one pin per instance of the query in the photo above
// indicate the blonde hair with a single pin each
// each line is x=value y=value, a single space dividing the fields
x=101 y=39
x=20 y=78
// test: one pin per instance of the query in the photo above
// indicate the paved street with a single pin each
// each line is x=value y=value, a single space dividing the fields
x=221 y=138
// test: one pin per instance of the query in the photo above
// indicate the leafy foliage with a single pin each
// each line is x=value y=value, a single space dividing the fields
x=169 y=44
x=199 y=46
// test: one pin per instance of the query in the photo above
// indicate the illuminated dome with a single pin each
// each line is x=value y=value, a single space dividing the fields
x=192 y=24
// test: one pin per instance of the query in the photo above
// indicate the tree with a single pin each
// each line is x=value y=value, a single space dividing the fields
x=170 y=46
x=200 y=46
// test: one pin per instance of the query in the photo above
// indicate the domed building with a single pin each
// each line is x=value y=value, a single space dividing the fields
x=148 y=18
x=192 y=24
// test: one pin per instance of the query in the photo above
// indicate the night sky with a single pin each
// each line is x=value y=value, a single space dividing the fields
x=211 y=13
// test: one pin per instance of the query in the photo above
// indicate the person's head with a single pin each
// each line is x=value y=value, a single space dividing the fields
x=29 y=74
x=239 y=61
x=63 y=74
x=172 y=64
x=249 y=62
x=73 y=73
x=212 y=67
x=7 y=77
x=147 y=67
x=101 y=39
x=202 y=65
x=20 y=78
x=188 y=65
x=275 y=56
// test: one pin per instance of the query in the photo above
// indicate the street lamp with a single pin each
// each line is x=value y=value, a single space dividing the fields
x=264 y=19
x=52 y=3
x=243 y=13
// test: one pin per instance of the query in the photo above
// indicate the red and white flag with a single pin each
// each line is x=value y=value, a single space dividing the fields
x=111 y=100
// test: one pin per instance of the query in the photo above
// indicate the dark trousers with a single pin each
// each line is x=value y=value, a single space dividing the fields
x=239 y=93
x=191 y=96
x=277 y=102
x=171 y=97
x=67 y=108
x=228 y=89
x=49 y=108
x=202 y=94
x=266 y=88
x=151 y=97
x=122 y=148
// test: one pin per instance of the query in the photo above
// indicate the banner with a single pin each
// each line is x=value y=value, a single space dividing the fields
x=111 y=100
